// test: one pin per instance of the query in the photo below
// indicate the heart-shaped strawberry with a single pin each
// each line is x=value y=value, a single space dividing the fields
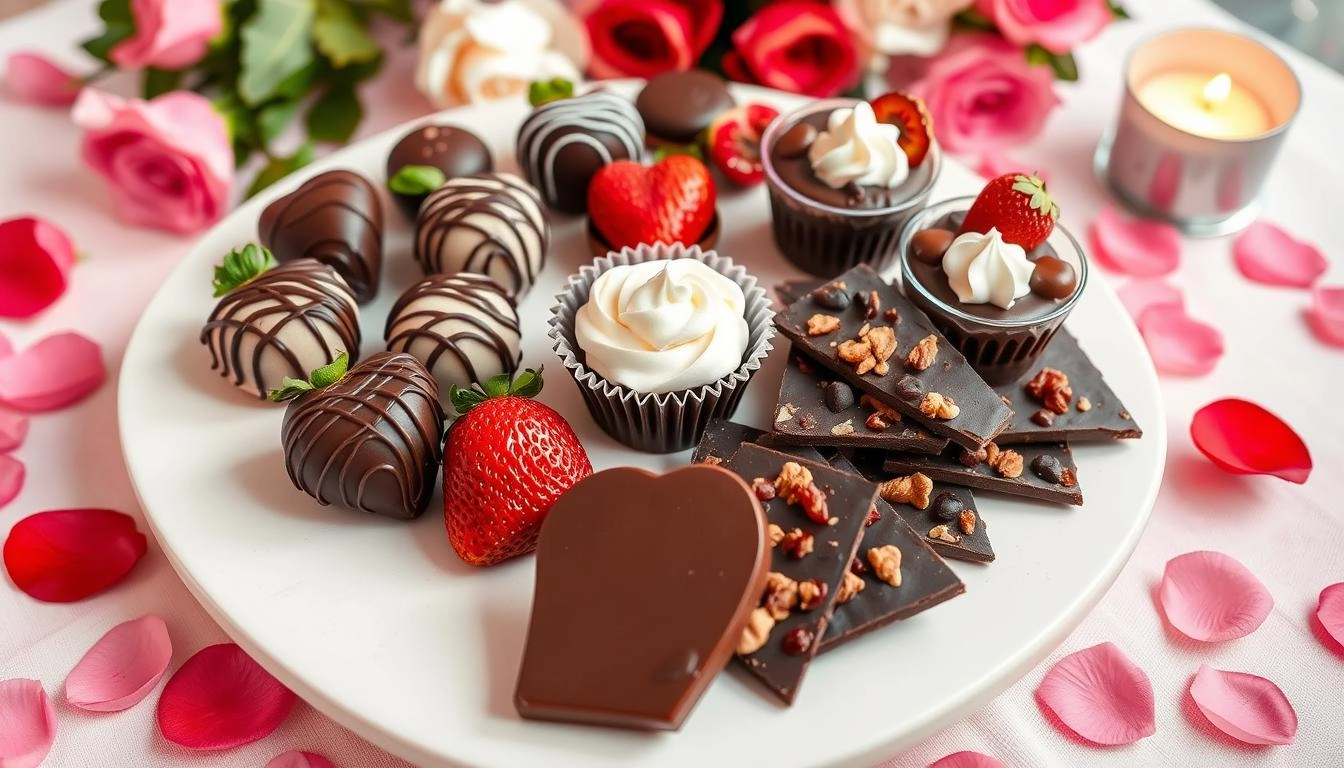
x=644 y=583
x=671 y=201
x=370 y=438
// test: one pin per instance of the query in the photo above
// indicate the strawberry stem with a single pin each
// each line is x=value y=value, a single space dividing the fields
x=526 y=384
x=320 y=378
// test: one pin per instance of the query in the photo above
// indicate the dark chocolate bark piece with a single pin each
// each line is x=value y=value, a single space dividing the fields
x=961 y=467
x=974 y=547
x=721 y=440
x=925 y=579
x=679 y=559
x=806 y=415
x=786 y=643
x=980 y=413
x=1102 y=417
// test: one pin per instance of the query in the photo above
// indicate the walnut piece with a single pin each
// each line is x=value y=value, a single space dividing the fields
x=870 y=351
x=885 y=411
x=820 y=324
x=883 y=341
x=792 y=477
x=875 y=422
x=781 y=595
x=941 y=533
x=757 y=631
x=797 y=543
x=850 y=586
x=886 y=562
x=774 y=533
x=938 y=406
x=786 y=412
x=966 y=521
x=1051 y=388
x=712 y=461
x=811 y=593
x=923 y=354
x=911 y=489
x=858 y=354
x=991 y=453
x=845 y=427
x=1007 y=463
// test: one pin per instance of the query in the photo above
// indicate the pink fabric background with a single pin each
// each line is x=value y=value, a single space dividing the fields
x=1290 y=536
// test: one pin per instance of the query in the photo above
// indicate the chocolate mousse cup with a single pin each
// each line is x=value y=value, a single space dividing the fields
x=1000 y=344
x=826 y=231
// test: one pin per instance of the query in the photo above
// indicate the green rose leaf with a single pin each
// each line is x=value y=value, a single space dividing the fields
x=398 y=10
x=279 y=167
x=335 y=115
x=1063 y=65
x=1118 y=11
x=275 y=117
x=275 y=46
x=340 y=35
x=416 y=180
x=118 y=24
x=156 y=82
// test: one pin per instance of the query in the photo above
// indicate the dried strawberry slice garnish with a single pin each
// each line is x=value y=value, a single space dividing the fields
x=907 y=113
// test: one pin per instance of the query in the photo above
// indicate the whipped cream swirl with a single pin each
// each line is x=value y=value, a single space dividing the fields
x=986 y=269
x=856 y=149
x=662 y=326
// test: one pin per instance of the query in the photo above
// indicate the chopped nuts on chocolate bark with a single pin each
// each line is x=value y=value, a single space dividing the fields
x=941 y=533
x=781 y=595
x=820 y=325
x=967 y=522
x=922 y=354
x=845 y=427
x=1084 y=404
x=792 y=477
x=875 y=422
x=797 y=543
x=1007 y=463
x=1051 y=388
x=850 y=586
x=786 y=412
x=886 y=562
x=938 y=406
x=811 y=593
x=881 y=408
x=774 y=533
x=858 y=354
x=757 y=631
x=911 y=489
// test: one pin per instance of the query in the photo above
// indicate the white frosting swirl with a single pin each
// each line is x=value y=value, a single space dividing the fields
x=857 y=149
x=662 y=326
x=986 y=269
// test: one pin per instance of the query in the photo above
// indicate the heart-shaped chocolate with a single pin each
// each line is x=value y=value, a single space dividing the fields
x=644 y=583
x=372 y=441
x=335 y=217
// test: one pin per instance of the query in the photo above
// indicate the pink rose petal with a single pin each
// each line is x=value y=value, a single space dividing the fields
x=69 y=554
x=1212 y=597
x=6 y=346
x=35 y=258
x=1139 y=247
x=35 y=78
x=1326 y=315
x=1267 y=254
x=12 y=474
x=13 y=430
x=122 y=667
x=1246 y=707
x=1330 y=611
x=1178 y=343
x=220 y=698
x=1139 y=294
x=1241 y=437
x=296 y=759
x=27 y=724
x=57 y=371
x=968 y=760
x=1100 y=695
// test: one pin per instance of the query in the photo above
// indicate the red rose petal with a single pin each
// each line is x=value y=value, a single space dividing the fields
x=1326 y=315
x=69 y=554
x=220 y=698
x=27 y=724
x=1100 y=695
x=35 y=258
x=1178 y=343
x=1139 y=294
x=1267 y=254
x=57 y=371
x=1330 y=611
x=296 y=759
x=122 y=667
x=1212 y=597
x=968 y=760
x=12 y=473
x=13 y=430
x=1139 y=247
x=1241 y=437
x=1246 y=707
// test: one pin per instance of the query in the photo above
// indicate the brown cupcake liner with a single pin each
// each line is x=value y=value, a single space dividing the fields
x=826 y=246
x=669 y=421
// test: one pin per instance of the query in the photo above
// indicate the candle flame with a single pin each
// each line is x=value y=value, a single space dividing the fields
x=1217 y=91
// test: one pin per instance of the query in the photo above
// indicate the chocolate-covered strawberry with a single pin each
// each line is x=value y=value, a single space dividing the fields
x=368 y=438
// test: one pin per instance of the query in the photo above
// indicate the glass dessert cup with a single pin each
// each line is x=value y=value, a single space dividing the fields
x=1000 y=344
x=825 y=239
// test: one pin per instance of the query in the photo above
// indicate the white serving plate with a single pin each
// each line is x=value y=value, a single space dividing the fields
x=379 y=625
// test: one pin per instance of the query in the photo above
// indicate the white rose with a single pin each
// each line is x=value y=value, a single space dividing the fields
x=897 y=27
x=473 y=51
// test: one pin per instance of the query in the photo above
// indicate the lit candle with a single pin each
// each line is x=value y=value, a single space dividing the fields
x=1205 y=104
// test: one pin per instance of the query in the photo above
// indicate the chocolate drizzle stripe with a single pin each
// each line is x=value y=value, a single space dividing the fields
x=473 y=203
x=574 y=125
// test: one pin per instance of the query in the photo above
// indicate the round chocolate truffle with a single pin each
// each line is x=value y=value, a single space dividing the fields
x=463 y=327
x=1053 y=278
x=677 y=106
x=563 y=143
x=293 y=318
x=490 y=224
x=452 y=150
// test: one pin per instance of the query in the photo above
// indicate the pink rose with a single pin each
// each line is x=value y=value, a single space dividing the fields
x=34 y=78
x=981 y=93
x=169 y=34
x=1056 y=25
x=168 y=160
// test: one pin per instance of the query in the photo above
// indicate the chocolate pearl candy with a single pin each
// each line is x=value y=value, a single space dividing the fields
x=947 y=507
x=795 y=141
x=838 y=396
x=929 y=245
x=1048 y=468
x=1053 y=278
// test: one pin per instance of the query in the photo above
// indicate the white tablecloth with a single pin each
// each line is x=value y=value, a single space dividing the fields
x=1291 y=536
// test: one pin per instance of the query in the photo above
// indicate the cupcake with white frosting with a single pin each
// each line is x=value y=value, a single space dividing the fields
x=661 y=339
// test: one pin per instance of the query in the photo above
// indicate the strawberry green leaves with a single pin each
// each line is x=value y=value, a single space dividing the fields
x=527 y=384
x=320 y=378
x=1034 y=187
x=240 y=267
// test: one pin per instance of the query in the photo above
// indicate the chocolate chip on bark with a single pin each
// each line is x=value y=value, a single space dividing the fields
x=1048 y=468
x=831 y=297
x=1043 y=418
x=929 y=245
x=838 y=396
x=909 y=388
x=947 y=507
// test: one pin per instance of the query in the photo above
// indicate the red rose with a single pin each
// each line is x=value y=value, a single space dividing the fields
x=794 y=45
x=643 y=38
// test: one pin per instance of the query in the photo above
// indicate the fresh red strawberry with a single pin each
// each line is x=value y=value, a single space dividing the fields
x=1018 y=206
x=671 y=201
x=506 y=460
x=734 y=140
x=907 y=113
